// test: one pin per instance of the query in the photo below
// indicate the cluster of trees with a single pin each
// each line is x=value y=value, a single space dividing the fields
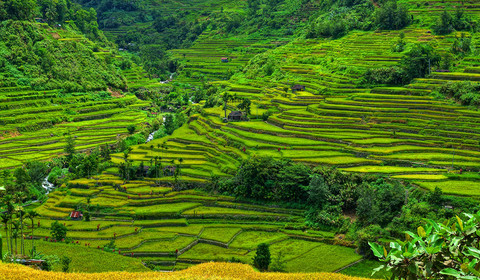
x=339 y=17
x=52 y=12
x=459 y=21
x=418 y=62
x=129 y=171
x=15 y=219
x=467 y=93
x=383 y=208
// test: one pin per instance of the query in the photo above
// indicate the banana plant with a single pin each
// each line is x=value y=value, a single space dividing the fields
x=448 y=250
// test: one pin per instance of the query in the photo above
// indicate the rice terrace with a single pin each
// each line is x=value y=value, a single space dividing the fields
x=252 y=139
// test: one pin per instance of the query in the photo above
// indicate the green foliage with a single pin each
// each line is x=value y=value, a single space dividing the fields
x=392 y=16
x=467 y=93
x=386 y=75
x=131 y=129
x=69 y=147
x=339 y=17
x=419 y=60
x=379 y=202
x=17 y=9
x=58 y=231
x=65 y=263
x=400 y=45
x=267 y=179
x=34 y=58
x=262 y=257
x=447 y=23
x=462 y=45
x=436 y=251
x=245 y=106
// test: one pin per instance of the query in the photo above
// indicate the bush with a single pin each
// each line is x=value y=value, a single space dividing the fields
x=58 y=231
x=131 y=129
x=66 y=263
x=386 y=75
x=467 y=93
x=262 y=257
x=448 y=250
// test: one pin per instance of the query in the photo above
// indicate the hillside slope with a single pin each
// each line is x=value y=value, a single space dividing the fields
x=53 y=81
x=410 y=131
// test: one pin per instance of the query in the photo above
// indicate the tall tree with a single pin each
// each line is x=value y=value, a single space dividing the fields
x=262 y=258
x=226 y=97
x=69 y=147
x=32 y=214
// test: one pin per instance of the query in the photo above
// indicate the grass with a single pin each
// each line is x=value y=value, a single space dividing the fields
x=464 y=188
x=164 y=208
x=365 y=269
x=211 y=252
x=178 y=243
x=251 y=239
x=86 y=259
x=205 y=210
x=219 y=234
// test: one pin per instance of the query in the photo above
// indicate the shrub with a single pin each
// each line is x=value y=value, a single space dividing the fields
x=66 y=263
x=131 y=129
x=438 y=251
x=467 y=93
x=262 y=257
x=58 y=231
x=386 y=75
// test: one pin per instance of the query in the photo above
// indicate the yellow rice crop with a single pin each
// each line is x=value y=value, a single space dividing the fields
x=213 y=271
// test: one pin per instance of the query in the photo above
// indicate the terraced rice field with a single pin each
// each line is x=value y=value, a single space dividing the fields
x=402 y=132
x=176 y=229
x=33 y=123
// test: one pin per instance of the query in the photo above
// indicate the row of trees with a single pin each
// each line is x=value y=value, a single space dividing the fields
x=14 y=219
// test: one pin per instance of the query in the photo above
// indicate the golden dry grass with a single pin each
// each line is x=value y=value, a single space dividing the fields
x=217 y=271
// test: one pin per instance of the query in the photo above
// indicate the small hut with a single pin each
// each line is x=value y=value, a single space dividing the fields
x=76 y=215
x=235 y=116
x=225 y=59
x=296 y=88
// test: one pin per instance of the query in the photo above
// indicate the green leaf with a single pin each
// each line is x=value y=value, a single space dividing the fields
x=460 y=222
x=421 y=231
x=451 y=272
x=377 y=249
x=375 y=270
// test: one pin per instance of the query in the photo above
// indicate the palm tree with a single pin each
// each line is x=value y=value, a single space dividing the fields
x=31 y=214
x=8 y=202
x=125 y=158
x=14 y=234
x=226 y=97
x=19 y=196
x=5 y=220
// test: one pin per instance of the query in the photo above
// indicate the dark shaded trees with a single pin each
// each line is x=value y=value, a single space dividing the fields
x=392 y=16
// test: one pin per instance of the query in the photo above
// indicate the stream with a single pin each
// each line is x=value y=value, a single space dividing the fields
x=47 y=186
x=150 y=136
